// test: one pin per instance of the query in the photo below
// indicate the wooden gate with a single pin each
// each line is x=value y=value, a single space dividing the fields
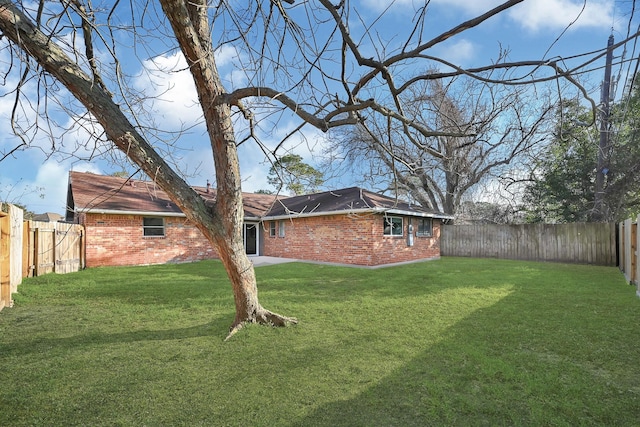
x=54 y=247
x=69 y=248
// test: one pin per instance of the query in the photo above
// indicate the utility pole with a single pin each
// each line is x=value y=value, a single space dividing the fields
x=603 y=146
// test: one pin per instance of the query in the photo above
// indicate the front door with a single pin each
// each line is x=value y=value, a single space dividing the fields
x=250 y=232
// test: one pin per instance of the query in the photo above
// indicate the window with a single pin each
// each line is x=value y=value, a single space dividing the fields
x=153 y=226
x=280 y=228
x=392 y=226
x=272 y=229
x=424 y=227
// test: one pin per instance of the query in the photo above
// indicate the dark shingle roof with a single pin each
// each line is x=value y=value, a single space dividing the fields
x=89 y=192
x=353 y=199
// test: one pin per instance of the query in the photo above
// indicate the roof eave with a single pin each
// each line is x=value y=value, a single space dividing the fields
x=123 y=212
x=414 y=213
x=376 y=210
x=145 y=213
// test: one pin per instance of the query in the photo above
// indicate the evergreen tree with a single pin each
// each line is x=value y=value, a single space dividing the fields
x=563 y=188
x=290 y=172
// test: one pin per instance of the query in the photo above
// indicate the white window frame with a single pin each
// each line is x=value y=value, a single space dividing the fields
x=281 y=228
x=272 y=229
x=390 y=221
x=421 y=221
x=150 y=228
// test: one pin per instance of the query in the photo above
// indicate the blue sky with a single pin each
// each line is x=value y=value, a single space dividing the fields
x=37 y=178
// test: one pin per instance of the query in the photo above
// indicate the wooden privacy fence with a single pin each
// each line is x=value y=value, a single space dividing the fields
x=11 y=232
x=628 y=248
x=585 y=243
x=32 y=248
x=5 y=284
x=53 y=247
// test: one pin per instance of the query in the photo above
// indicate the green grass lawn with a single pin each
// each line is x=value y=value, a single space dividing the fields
x=451 y=342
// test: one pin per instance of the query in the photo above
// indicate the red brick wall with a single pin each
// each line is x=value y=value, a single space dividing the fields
x=119 y=240
x=350 y=239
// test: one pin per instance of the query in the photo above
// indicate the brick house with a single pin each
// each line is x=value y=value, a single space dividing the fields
x=132 y=222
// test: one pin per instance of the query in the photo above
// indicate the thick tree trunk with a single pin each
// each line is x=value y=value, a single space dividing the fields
x=222 y=223
x=190 y=22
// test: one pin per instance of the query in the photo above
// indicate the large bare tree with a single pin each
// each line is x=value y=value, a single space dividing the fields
x=301 y=60
x=484 y=132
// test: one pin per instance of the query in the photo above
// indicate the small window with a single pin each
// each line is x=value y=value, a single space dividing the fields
x=272 y=229
x=425 y=227
x=153 y=226
x=280 y=228
x=393 y=226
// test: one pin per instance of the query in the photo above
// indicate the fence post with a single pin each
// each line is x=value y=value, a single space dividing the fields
x=621 y=246
x=25 y=249
x=15 y=252
x=5 y=283
x=635 y=255
x=627 y=249
x=32 y=249
x=36 y=251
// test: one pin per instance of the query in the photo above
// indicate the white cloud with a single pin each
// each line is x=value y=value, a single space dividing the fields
x=542 y=14
x=226 y=55
x=380 y=5
x=558 y=14
x=168 y=85
x=254 y=177
x=254 y=164
x=467 y=7
x=460 y=52
x=169 y=89
x=47 y=191
x=52 y=178
x=471 y=7
x=533 y=15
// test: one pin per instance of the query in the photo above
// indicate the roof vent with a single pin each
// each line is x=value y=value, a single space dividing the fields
x=208 y=186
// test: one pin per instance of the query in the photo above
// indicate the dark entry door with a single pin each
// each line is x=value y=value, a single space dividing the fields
x=251 y=239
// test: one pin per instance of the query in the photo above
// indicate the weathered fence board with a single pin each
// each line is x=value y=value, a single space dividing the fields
x=587 y=243
x=15 y=248
x=54 y=247
x=5 y=284
x=11 y=232
x=32 y=248
x=69 y=248
x=43 y=249
x=628 y=244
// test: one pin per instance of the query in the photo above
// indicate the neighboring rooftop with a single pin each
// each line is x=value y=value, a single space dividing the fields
x=48 y=217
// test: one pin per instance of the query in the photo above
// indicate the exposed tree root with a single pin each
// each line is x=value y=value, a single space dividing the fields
x=264 y=317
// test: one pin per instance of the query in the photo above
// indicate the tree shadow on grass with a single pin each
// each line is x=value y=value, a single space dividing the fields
x=529 y=369
x=216 y=328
